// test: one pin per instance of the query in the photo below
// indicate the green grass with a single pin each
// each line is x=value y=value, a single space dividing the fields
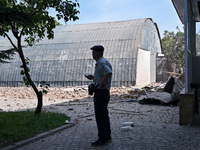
x=16 y=126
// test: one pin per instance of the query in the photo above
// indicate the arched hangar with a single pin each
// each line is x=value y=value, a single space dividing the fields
x=131 y=46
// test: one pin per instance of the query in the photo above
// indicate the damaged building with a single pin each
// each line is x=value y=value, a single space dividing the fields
x=131 y=46
x=189 y=100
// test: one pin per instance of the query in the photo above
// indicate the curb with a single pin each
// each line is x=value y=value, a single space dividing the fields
x=40 y=136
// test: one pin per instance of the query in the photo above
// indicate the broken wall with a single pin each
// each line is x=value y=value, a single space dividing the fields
x=162 y=66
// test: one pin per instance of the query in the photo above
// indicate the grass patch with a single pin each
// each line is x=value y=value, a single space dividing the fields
x=19 y=125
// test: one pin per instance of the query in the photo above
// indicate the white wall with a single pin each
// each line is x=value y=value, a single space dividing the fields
x=143 y=68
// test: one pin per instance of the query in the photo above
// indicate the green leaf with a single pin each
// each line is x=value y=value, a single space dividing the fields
x=44 y=91
x=43 y=82
x=22 y=72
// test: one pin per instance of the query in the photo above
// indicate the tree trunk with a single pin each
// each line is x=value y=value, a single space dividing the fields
x=39 y=105
x=38 y=93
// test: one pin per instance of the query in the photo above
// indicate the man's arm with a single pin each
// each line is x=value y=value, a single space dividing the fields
x=90 y=77
x=105 y=78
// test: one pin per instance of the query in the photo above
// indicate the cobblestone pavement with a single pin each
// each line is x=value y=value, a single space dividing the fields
x=156 y=127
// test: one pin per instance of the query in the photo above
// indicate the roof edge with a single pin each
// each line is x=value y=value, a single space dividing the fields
x=105 y=22
x=157 y=32
x=177 y=11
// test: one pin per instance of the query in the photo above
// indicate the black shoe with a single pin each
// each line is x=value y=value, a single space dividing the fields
x=109 y=138
x=99 y=142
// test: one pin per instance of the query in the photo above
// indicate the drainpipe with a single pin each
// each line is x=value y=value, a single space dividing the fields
x=186 y=44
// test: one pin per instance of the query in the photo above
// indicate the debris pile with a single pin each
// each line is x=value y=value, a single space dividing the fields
x=21 y=97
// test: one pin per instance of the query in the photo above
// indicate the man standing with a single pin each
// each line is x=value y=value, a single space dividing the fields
x=102 y=79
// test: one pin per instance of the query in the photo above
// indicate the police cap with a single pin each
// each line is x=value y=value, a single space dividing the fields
x=97 y=48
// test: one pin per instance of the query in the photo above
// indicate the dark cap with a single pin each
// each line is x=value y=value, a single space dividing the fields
x=97 y=48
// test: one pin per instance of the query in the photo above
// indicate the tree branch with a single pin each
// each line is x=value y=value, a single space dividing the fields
x=13 y=3
x=11 y=41
x=21 y=32
x=14 y=31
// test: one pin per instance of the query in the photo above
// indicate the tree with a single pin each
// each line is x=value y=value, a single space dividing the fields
x=6 y=55
x=173 y=48
x=198 y=44
x=30 y=19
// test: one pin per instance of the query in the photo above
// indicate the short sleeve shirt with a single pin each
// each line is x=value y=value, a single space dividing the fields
x=102 y=68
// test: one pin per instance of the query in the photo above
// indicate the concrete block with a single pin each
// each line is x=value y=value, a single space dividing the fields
x=185 y=120
x=187 y=107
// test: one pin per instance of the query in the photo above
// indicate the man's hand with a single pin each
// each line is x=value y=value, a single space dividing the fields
x=102 y=86
x=90 y=77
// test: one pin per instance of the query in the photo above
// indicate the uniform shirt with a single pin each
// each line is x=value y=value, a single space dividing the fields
x=102 y=68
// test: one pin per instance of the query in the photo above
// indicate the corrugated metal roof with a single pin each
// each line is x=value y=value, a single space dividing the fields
x=65 y=59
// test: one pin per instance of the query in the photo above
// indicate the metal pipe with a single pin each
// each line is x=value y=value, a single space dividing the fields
x=186 y=44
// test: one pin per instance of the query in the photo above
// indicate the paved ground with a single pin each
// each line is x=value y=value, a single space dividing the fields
x=156 y=127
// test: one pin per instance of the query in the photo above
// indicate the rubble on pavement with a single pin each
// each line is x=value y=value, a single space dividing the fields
x=12 y=97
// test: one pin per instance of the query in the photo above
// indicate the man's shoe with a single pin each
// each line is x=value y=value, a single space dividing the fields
x=109 y=138
x=99 y=142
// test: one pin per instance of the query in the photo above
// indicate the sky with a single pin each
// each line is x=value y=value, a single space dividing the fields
x=162 y=12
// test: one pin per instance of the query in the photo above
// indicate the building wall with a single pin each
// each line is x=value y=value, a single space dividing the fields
x=143 y=68
x=64 y=60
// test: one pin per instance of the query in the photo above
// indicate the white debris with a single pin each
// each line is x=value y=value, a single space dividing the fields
x=161 y=96
x=82 y=87
x=67 y=121
x=67 y=90
x=126 y=128
x=136 y=89
x=128 y=124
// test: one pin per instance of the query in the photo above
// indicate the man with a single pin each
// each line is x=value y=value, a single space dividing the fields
x=102 y=79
